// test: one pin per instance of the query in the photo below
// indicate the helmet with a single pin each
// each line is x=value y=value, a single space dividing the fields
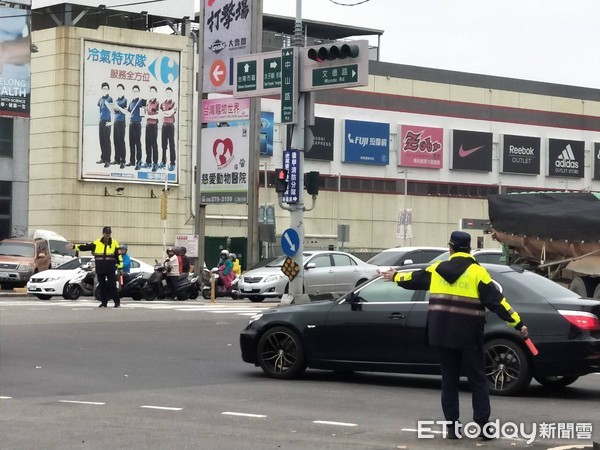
x=123 y=246
x=170 y=249
x=224 y=253
x=232 y=256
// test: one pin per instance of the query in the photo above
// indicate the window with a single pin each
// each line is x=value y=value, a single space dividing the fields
x=6 y=137
x=380 y=291
x=342 y=260
x=5 y=206
x=321 y=261
x=135 y=264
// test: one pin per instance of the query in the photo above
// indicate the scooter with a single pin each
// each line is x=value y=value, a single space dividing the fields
x=156 y=286
x=82 y=283
x=131 y=288
x=220 y=290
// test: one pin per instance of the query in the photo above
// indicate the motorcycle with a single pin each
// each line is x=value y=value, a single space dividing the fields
x=84 y=283
x=156 y=285
x=220 y=290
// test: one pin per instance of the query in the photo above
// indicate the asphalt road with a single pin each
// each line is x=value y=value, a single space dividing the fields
x=168 y=375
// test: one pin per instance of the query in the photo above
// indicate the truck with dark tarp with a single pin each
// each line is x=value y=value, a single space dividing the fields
x=556 y=234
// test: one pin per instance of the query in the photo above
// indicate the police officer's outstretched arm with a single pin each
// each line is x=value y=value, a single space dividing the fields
x=493 y=300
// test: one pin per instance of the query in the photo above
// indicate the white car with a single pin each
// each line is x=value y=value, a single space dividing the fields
x=48 y=283
x=402 y=256
x=326 y=274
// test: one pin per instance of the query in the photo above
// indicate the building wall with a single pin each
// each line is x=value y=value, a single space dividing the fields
x=396 y=94
x=59 y=199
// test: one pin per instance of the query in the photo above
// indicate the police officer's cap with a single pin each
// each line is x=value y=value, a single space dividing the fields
x=459 y=240
x=106 y=230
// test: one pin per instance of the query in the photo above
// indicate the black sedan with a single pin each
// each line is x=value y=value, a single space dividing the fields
x=380 y=327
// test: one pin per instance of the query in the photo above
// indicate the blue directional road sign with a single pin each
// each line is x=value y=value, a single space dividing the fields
x=290 y=242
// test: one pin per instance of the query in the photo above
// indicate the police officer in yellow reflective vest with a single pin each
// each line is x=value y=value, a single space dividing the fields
x=106 y=259
x=460 y=290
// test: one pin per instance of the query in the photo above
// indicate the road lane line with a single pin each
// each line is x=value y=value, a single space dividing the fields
x=165 y=408
x=341 y=424
x=230 y=413
x=4 y=397
x=82 y=402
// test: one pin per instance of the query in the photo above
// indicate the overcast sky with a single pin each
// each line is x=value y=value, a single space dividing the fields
x=542 y=40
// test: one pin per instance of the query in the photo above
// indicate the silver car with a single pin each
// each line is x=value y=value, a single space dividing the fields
x=327 y=274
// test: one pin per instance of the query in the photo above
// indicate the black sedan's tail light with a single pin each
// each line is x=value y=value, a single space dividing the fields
x=581 y=319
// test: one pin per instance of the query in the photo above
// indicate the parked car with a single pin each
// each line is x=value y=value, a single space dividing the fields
x=326 y=273
x=20 y=259
x=482 y=255
x=380 y=327
x=402 y=256
x=44 y=285
x=57 y=245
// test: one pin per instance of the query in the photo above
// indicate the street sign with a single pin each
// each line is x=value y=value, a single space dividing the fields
x=290 y=268
x=245 y=76
x=474 y=224
x=289 y=85
x=335 y=73
x=291 y=161
x=290 y=242
x=257 y=75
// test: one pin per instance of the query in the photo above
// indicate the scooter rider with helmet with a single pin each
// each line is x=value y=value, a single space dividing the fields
x=172 y=265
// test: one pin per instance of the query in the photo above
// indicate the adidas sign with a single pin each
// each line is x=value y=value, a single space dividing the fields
x=566 y=159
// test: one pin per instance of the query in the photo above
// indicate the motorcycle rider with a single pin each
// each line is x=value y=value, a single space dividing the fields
x=237 y=268
x=124 y=265
x=172 y=265
x=225 y=270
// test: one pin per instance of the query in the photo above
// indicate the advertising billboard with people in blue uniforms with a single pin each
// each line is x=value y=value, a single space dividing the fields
x=130 y=124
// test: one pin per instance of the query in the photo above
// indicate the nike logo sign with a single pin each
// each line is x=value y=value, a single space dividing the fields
x=464 y=153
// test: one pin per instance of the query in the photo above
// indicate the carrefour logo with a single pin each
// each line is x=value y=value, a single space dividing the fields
x=164 y=69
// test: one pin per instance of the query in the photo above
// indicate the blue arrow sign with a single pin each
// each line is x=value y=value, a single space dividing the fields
x=290 y=242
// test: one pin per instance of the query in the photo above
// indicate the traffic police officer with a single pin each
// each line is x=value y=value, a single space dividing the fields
x=106 y=259
x=460 y=290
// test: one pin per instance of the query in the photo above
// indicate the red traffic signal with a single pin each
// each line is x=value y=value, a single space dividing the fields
x=280 y=180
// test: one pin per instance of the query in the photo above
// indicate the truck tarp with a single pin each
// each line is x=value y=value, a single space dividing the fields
x=573 y=217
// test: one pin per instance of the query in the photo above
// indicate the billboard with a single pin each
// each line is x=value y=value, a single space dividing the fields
x=225 y=109
x=130 y=123
x=421 y=147
x=15 y=62
x=322 y=147
x=224 y=164
x=471 y=150
x=521 y=154
x=366 y=142
x=565 y=158
x=227 y=34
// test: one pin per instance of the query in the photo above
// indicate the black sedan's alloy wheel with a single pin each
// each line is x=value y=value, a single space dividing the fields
x=507 y=368
x=280 y=353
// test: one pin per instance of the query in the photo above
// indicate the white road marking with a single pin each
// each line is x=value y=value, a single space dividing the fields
x=341 y=424
x=230 y=413
x=81 y=402
x=414 y=430
x=4 y=397
x=166 y=408
x=570 y=447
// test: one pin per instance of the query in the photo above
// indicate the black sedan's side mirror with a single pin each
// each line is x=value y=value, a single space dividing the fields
x=354 y=299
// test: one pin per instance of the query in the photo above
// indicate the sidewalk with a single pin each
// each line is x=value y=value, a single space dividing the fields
x=13 y=292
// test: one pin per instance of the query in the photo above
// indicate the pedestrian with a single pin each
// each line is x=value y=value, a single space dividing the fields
x=172 y=265
x=152 y=106
x=168 y=109
x=106 y=259
x=135 y=108
x=104 y=127
x=120 y=106
x=459 y=291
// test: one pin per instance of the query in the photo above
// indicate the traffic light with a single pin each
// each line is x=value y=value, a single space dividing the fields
x=333 y=51
x=280 y=180
x=311 y=183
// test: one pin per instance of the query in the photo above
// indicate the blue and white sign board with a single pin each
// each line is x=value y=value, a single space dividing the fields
x=290 y=242
x=366 y=142
x=291 y=159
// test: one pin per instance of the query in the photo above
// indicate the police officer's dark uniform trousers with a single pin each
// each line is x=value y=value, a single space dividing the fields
x=460 y=290
x=106 y=259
